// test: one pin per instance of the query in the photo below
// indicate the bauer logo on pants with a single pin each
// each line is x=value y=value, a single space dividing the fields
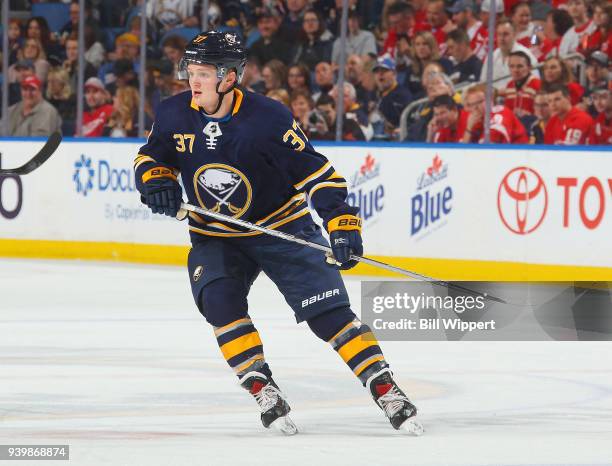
x=222 y=188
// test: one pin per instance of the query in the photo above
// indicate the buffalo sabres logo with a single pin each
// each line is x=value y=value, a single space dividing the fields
x=222 y=188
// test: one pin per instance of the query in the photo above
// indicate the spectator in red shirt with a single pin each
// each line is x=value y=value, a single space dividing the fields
x=556 y=71
x=601 y=133
x=568 y=125
x=464 y=18
x=99 y=110
x=521 y=90
x=505 y=127
x=448 y=122
x=558 y=22
x=420 y=12
x=439 y=21
x=400 y=21
x=601 y=39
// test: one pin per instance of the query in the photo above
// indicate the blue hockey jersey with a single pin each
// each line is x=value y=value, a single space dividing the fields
x=256 y=164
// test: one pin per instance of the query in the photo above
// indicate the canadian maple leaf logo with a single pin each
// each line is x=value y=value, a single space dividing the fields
x=368 y=165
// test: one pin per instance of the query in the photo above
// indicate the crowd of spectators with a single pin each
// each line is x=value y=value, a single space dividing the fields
x=414 y=68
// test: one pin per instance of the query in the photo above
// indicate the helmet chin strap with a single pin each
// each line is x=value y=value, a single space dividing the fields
x=220 y=96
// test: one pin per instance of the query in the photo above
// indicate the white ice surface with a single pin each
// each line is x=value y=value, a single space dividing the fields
x=116 y=361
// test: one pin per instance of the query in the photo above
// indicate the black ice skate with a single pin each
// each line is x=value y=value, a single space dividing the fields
x=272 y=402
x=395 y=404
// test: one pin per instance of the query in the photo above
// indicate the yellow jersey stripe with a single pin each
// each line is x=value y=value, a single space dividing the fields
x=313 y=176
x=357 y=344
x=326 y=184
x=239 y=96
x=240 y=345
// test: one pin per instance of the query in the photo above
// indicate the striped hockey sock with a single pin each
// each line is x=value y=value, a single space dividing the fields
x=241 y=347
x=358 y=348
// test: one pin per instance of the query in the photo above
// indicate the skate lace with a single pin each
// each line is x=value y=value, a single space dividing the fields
x=392 y=402
x=267 y=397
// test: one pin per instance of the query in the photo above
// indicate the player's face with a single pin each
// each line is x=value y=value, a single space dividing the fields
x=518 y=68
x=203 y=84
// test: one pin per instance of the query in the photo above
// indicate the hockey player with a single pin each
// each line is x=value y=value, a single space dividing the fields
x=243 y=155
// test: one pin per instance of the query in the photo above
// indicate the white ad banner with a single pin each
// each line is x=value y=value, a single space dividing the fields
x=473 y=203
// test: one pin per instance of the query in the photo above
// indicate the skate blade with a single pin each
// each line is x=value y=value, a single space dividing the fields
x=413 y=427
x=285 y=426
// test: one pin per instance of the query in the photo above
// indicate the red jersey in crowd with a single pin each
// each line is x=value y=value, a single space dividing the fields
x=506 y=128
x=548 y=48
x=596 y=41
x=601 y=132
x=521 y=100
x=95 y=120
x=572 y=130
x=453 y=134
x=479 y=39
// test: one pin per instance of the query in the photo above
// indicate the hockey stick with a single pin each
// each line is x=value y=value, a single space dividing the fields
x=186 y=208
x=47 y=151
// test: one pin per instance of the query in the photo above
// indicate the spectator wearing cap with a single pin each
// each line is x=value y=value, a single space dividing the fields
x=353 y=110
x=98 y=110
x=33 y=116
x=400 y=21
x=557 y=23
x=72 y=62
x=324 y=79
x=314 y=42
x=582 y=28
x=466 y=65
x=392 y=97
x=541 y=110
x=520 y=92
x=358 y=41
x=485 y=11
x=32 y=51
x=127 y=48
x=556 y=71
x=464 y=18
x=440 y=23
x=506 y=41
x=424 y=51
x=601 y=133
x=60 y=95
x=449 y=120
x=270 y=45
x=568 y=125
x=601 y=39
x=597 y=73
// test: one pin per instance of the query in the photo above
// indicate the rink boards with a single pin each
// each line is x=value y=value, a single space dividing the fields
x=454 y=212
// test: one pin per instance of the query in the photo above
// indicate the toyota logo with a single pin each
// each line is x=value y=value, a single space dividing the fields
x=522 y=200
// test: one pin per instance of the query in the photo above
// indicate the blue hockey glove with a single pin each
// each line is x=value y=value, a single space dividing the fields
x=345 y=238
x=162 y=193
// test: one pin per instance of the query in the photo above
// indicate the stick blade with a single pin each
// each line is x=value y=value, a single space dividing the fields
x=41 y=157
